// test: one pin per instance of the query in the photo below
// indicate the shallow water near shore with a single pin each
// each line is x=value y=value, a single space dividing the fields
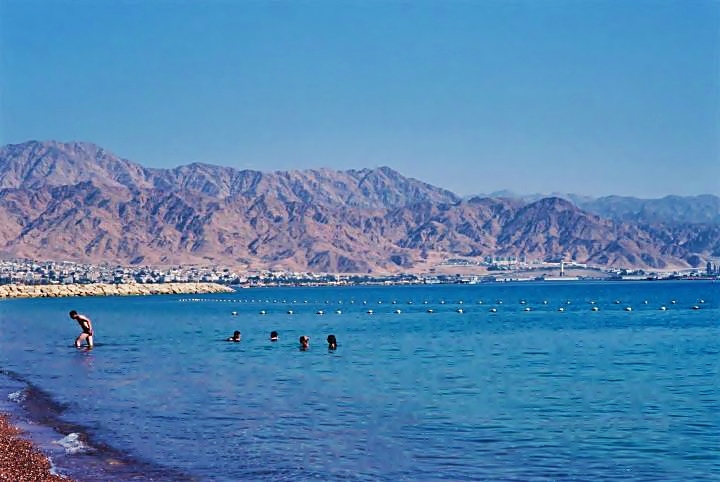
x=511 y=395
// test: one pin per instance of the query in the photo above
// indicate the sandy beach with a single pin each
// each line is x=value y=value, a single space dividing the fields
x=20 y=460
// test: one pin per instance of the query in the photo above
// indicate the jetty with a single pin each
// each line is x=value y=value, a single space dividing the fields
x=109 y=289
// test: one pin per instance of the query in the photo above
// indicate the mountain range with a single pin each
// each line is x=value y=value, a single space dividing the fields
x=669 y=209
x=76 y=201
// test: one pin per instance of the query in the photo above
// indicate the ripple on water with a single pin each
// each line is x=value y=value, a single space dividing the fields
x=540 y=395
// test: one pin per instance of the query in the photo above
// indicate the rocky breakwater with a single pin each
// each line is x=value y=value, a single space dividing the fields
x=102 y=289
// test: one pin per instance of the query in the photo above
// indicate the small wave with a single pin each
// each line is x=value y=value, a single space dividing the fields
x=53 y=467
x=18 y=397
x=72 y=444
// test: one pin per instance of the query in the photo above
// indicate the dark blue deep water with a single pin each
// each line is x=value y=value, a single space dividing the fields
x=417 y=396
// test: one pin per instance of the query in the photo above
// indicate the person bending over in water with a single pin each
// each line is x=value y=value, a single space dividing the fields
x=273 y=336
x=87 y=329
x=236 y=336
x=304 y=342
x=332 y=342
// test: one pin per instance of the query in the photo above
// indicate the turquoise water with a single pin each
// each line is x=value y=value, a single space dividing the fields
x=511 y=395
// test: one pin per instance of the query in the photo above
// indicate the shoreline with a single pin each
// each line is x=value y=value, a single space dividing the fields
x=499 y=280
x=20 y=459
x=71 y=451
x=106 y=289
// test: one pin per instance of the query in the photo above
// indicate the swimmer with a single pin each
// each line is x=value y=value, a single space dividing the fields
x=332 y=342
x=236 y=336
x=304 y=342
x=87 y=329
x=273 y=336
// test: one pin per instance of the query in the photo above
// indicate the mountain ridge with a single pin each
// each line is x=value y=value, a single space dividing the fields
x=701 y=208
x=78 y=201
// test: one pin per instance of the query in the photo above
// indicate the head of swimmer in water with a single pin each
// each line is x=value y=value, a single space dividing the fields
x=273 y=336
x=332 y=342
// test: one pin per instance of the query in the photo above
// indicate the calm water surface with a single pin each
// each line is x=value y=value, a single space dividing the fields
x=511 y=395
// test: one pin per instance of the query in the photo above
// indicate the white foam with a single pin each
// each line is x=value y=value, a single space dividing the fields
x=53 y=468
x=72 y=444
x=18 y=397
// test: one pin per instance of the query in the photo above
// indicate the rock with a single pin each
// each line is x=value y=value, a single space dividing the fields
x=101 y=289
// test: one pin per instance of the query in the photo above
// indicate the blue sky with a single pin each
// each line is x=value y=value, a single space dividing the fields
x=590 y=97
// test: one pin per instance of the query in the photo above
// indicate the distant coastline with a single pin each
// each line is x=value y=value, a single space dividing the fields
x=106 y=289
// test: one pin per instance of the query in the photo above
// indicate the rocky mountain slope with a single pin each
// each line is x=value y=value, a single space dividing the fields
x=76 y=201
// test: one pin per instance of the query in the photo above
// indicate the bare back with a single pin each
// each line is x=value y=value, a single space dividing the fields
x=85 y=323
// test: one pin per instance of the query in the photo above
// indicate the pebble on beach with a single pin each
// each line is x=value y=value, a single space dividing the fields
x=20 y=460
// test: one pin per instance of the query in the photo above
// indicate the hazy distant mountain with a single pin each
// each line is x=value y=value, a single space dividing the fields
x=669 y=209
x=76 y=201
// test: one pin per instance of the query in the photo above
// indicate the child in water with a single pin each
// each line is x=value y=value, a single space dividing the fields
x=304 y=342
x=236 y=336
x=273 y=336
x=332 y=342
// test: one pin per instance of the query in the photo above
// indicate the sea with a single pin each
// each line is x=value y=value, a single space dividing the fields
x=513 y=381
